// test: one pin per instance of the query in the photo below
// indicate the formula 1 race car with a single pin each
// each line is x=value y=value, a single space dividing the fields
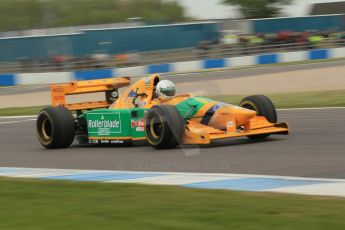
x=138 y=114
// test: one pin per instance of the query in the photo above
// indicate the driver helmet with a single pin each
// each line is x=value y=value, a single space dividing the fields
x=165 y=89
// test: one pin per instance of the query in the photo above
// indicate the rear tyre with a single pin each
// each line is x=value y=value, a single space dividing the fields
x=263 y=107
x=55 y=127
x=164 y=127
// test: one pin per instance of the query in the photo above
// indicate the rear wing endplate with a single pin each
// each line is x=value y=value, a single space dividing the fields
x=109 y=86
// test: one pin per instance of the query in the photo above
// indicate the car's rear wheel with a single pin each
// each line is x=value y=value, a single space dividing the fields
x=55 y=127
x=164 y=127
x=263 y=107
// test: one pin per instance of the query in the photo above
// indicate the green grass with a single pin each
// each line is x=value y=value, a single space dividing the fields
x=34 y=204
x=332 y=98
x=19 y=111
x=33 y=13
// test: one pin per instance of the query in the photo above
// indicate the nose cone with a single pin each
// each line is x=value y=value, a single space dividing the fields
x=243 y=115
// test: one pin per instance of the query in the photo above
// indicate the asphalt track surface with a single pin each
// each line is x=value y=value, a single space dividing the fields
x=315 y=148
x=199 y=76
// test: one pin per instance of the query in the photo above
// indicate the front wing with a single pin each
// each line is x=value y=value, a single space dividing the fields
x=196 y=133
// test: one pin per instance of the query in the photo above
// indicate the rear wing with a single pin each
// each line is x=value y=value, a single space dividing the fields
x=109 y=86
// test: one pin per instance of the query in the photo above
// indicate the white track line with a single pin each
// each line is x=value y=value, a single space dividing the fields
x=11 y=122
x=241 y=182
x=11 y=117
x=316 y=108
x=55 y=170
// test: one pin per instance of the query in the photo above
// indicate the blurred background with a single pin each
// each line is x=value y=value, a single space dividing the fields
x=64 y=35
x=290 y=50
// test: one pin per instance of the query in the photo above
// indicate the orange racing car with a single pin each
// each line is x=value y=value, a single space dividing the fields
x=149 y=110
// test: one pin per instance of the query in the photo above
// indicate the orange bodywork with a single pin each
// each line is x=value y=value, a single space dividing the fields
x=140 y=93
x=60 y=91
x=228 y=121
x=197 y=133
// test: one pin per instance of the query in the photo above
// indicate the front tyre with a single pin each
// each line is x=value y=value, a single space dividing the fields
x=263 y=107
x=164 y=127
x=55 y=127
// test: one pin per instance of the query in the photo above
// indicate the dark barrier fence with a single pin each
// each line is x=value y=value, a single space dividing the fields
x=213 y=52
x=318 y=23
x=111 y=41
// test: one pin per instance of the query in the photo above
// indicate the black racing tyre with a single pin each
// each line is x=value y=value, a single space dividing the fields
x=164 y=127
x=263 y=107
x=55 y=127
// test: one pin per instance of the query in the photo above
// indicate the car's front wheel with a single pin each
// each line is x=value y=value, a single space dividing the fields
x=263 y=107
x=164 y=127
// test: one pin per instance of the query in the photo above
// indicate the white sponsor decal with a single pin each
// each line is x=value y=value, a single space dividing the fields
x=147 y=81
x=116 y=141
x=104 y=124
x=230 y=124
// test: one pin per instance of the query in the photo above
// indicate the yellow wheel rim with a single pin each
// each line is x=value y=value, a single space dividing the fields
x=152 y=130
x=249 y=103
x=44 y=131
